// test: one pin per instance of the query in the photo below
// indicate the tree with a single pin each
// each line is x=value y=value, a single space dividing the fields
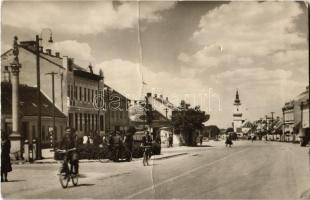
x=148 y=112
x=187 y=121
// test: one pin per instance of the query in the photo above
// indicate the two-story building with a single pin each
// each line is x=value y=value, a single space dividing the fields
x=84 y=92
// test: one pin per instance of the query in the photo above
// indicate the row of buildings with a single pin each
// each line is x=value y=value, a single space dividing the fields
x=81 y=98
x=70 y=95
x=292 y=126
x=296 y=118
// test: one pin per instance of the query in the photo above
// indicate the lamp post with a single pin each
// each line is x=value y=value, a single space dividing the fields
x=53 y=96
x=37 y=44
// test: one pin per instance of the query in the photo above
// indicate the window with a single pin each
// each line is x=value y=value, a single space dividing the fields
x=101 y=122
x=80 y=93
x=55 y=133
x=61 y=131
x=92 y=122
x=43 y=134
x=85 y=94
x=81 y=122
x=96 y=122
x=70 y=120
x=72 y=91
x=85 y=122
x=75 y=92
x=33 y=131
x=76 y=121
x=92 y=95
x=68 y=91
x=88 y=123
x=88 y=95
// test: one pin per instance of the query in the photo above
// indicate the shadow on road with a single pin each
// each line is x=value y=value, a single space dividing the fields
x=81 y=185
x=203 y=146
x=14 y=181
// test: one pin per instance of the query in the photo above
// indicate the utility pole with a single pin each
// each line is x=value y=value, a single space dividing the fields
x=39 y=153
x=53 y=96
x=272 y=120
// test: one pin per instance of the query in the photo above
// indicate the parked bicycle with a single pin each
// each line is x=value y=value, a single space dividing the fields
x=67 y=171
x=147 y=152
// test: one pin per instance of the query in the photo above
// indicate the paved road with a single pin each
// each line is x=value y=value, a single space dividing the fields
x=248 y=170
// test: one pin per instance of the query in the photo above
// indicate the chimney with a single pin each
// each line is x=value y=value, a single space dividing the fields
x=57 y=54
x=70 y=63
x=148 y=94
x=90 y=68
x=155 y=95
x=40 y=49
x=166 y=98
x=49 y=51
x=65 y=62
x=161 y=96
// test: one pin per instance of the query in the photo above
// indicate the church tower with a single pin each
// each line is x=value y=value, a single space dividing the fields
x=237 y=115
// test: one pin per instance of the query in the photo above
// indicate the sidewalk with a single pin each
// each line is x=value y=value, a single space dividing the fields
x=166 y=153
x=49 y=158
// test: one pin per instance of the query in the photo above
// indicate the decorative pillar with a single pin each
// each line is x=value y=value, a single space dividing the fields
x=15 y=136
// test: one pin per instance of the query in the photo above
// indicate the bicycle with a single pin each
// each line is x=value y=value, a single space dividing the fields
x=147 y=152
x=67 y=173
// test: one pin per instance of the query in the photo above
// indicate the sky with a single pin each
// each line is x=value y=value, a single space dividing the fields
x=200 y=52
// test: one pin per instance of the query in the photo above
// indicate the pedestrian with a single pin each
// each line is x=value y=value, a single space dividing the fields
x=6 y=166
x=200 y=139
x=170 y=140
x=228 y=141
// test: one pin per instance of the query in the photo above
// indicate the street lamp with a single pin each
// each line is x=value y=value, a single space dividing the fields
x=37 y=44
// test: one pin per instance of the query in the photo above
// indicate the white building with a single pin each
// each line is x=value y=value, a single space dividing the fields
x=237 y=115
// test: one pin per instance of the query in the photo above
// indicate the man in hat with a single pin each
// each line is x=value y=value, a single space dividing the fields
x=70 y=142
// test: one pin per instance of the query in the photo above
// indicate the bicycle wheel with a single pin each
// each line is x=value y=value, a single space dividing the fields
x=74 y=177
x=64 y=179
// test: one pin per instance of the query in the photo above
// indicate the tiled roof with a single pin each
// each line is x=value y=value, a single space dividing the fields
x=28 y=102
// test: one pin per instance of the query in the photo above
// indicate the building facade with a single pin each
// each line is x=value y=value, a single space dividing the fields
x=28 y=114
x=292 y=116
x=116 y=116
x=85 y=100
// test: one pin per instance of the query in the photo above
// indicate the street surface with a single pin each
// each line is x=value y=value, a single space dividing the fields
x=245 y=171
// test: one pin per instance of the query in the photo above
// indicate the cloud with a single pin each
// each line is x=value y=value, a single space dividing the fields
x=79 y=17
x=74 y=49
x=247 y=75
x=151 y=10
x=249 y=32
x=126 y=77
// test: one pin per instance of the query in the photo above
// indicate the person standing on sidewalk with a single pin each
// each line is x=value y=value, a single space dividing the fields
x=170 y=140
x=6 y=166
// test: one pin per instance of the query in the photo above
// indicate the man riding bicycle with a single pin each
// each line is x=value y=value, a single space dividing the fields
x=69 y=142
x=147 y=142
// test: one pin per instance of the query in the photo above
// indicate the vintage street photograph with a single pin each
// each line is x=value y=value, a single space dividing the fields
x=155 y=99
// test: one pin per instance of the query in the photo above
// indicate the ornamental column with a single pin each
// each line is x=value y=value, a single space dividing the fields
x=15 y=135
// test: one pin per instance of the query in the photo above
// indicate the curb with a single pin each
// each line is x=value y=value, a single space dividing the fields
x=92 y=161
x=169 y=156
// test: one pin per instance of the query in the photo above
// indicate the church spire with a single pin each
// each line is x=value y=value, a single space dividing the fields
x=237 y=100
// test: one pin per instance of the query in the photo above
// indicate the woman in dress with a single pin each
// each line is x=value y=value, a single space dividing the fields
x=5 y=156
